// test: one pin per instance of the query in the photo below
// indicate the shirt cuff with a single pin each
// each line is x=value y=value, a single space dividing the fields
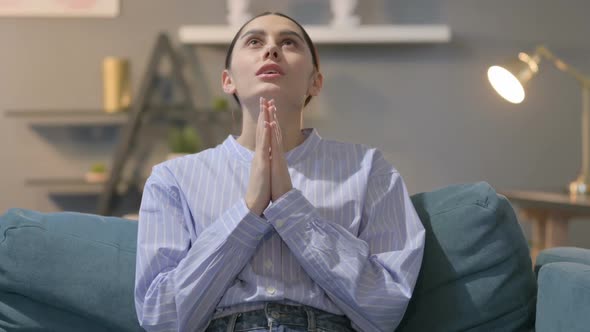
x=289 y=210
x=251 y=228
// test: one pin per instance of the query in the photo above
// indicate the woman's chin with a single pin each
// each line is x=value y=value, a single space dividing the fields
x=269 y=91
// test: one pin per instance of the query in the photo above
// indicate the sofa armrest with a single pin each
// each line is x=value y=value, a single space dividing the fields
x=563 y=297
x=81 y=264
x=562 y=254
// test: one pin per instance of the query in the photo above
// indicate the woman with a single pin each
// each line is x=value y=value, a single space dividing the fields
x=277 y=229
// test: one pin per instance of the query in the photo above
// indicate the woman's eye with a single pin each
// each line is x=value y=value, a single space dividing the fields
x=289 y=42
x=253 y=42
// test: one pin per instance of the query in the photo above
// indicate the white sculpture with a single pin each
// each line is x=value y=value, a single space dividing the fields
x=343 y=13
x=238 y=12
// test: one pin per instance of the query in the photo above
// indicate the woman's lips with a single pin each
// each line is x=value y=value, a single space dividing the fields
x=269 y=76
x=270 y=71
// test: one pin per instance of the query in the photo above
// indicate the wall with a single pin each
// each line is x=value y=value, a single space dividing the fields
x=428 y=107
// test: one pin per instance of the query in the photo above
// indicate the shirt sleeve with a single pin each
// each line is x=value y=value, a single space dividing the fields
x=370 y=277
x=178 y=284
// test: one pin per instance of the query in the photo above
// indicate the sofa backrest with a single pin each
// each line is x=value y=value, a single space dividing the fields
x=70 y=270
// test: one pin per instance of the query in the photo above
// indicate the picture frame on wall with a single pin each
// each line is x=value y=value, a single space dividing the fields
x=59 y=8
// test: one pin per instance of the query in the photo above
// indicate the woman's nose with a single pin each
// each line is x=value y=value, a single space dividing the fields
x=272 y=52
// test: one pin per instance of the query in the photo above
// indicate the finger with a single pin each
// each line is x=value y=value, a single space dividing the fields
x=272 y=132
x=266 y=112
x=273 y=148
x=277 y=129
x=280 y=131
x=262 y=102
x=276 y=147
x=273 y=116
x=262 y=131
x=261 y=115
x=273 y=112
x=267 y=118
x=266 y=140
x=269 y=105
x=263 y=107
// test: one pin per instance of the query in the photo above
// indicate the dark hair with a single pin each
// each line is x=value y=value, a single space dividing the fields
x=314 y=55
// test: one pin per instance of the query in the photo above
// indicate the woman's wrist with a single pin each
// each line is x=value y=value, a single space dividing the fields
x=253 y=208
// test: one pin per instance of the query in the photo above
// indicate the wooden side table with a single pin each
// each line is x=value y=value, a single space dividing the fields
x=550 y=213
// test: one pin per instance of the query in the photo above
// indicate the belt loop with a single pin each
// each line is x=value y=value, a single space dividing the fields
x=231 y=324
x=266 y=309
x=269 y=318
x=310 y=319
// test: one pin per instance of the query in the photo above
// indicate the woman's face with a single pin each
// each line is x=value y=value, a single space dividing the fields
x=271 y=59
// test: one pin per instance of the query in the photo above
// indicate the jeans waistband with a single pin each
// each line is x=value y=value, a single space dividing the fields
x=275 y=314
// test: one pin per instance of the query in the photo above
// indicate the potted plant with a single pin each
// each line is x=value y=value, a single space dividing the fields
x=98 y=173
x=183 y=141
x=220 y=104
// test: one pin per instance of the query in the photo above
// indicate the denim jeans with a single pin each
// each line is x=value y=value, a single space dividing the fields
x=282 y=318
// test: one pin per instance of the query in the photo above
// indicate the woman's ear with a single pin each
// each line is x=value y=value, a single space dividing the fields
x=317 y=82
x=227 y=83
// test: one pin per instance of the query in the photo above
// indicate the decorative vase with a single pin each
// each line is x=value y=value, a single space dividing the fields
x=96 y=177
x=116 y=84
x=343 y=13
x=238 y=12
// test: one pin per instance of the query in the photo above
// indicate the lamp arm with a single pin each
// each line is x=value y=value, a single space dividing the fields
x=582 y=183
x=543 y=51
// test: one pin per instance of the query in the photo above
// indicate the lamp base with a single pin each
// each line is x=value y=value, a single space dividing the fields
x=579 y=187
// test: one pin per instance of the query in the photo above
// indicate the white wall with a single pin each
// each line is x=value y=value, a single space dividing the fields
x=429 y=108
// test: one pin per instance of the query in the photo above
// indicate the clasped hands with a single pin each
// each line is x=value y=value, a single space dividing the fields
x=269 y=175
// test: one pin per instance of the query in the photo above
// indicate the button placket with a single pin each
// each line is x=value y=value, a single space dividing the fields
x=271 y=290
x=268 y=264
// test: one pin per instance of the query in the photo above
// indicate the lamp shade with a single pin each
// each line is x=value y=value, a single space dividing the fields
x=510 y=79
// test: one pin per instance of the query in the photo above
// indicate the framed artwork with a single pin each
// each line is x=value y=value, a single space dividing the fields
x=59 y=8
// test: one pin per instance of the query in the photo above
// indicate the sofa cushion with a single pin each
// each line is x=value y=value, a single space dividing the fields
x=476 y=273
x=562 y=254
x=564 y=297
x=78 y=264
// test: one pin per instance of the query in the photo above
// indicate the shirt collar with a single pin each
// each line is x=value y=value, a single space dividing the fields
x=235 y=149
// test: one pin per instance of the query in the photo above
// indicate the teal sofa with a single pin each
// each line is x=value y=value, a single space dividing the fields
x=69 y=271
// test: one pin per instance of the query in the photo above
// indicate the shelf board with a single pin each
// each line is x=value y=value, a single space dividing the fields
x=73 y=185
x=100 y=117
x=324 y=34
x=61 y=117
x=66 y=185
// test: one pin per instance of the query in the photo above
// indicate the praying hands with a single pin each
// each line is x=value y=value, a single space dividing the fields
x=269 y=175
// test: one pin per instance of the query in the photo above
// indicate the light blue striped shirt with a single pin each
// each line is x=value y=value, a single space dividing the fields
x=346 y=239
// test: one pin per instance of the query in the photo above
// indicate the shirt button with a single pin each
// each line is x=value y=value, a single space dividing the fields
x=275 y=315
x=268 y=264
x=271 y=290
x=280 y=223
